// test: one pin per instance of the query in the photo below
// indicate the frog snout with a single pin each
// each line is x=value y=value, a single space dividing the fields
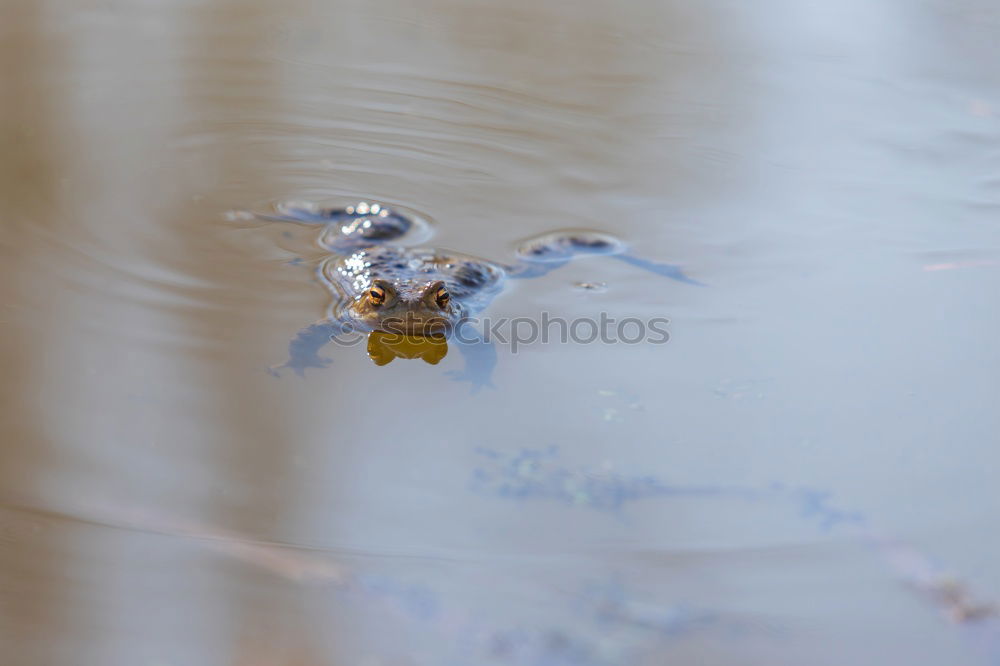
x=418 y=325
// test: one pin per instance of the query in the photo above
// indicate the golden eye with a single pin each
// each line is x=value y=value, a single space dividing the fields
x=442 y=297
x=376 y=295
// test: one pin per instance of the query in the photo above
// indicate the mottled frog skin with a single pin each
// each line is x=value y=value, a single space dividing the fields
x=380 y=284
x=418 y=291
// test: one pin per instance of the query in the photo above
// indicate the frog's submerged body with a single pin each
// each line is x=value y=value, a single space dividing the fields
x=380 y=284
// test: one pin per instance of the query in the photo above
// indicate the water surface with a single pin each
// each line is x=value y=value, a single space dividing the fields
x=796 y=477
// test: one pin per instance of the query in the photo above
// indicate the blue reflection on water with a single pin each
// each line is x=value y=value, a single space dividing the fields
x=538 y=474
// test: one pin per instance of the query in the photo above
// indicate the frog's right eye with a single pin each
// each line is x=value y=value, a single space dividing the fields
x=376 y=295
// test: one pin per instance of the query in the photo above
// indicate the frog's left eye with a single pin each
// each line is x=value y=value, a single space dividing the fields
x=442 y=297
x=376 y=295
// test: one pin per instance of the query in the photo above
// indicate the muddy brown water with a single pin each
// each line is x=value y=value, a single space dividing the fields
x=804 y=473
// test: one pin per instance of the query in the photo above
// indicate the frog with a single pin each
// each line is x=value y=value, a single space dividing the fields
x=382 y=283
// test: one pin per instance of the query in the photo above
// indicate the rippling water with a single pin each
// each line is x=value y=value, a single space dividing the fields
x=804 y=474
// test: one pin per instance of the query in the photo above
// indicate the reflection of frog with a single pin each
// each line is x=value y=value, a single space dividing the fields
x=379 y=284
x=383 y=348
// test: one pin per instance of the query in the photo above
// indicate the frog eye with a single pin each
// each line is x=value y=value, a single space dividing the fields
x=442 y=297
x=376 y=295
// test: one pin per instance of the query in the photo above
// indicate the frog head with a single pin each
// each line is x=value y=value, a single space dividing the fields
x=415 y=309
